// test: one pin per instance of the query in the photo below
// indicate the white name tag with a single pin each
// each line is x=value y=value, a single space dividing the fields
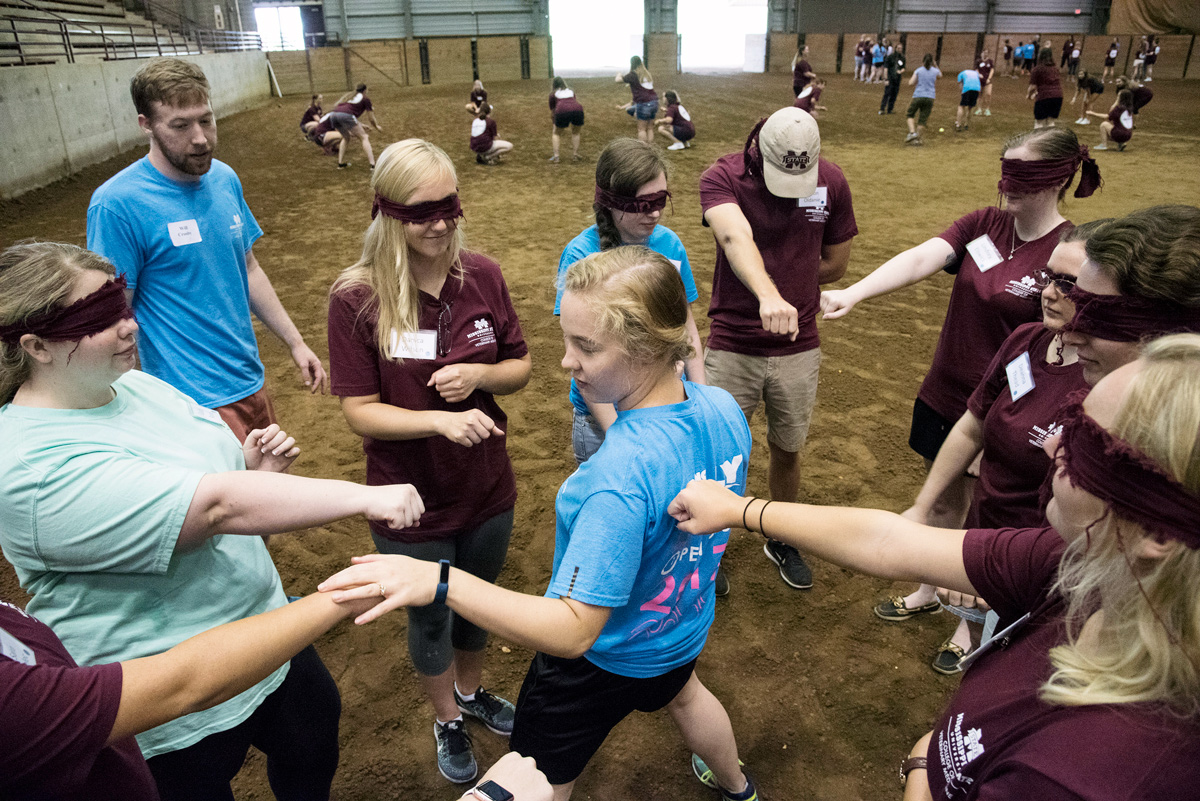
x=16 y=650
x=1020 y=376
x=184 y=232
x=211 y=415
x=817 y=200
x=984 y=252
x=414 y=345
x=678 y=265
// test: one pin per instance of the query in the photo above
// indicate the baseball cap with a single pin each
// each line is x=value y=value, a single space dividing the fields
x=790 y=144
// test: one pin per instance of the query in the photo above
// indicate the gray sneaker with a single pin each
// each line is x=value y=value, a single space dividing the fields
x=454 y=757
x=492 y=710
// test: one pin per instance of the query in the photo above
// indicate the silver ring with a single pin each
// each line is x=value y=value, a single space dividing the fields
x=382 y=592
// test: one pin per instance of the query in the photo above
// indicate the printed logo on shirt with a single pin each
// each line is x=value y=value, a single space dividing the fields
x=1039 y=434
x=237 y=223
x=957 y=750
x=482 y=333
x=729 y=470
x=1023 y=288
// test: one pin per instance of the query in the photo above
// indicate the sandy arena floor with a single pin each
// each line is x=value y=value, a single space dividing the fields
x=825 y=698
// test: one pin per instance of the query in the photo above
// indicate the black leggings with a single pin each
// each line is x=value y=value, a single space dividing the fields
x=296 y=727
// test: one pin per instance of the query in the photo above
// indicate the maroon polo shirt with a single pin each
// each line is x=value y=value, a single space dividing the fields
x=564 y=105
x=985 y=307
x=799 y=78
x=998 y=740
x=640 y=93
x=789 y=238
x=807 y=102
x=1014 y=463
x=478 y=96
x=984 y=69
x=1141 y=96
x=461 y=486
x=56 y=718
x=482 y=142
x=683 y=129
x=1045 y=78
x=357 y=109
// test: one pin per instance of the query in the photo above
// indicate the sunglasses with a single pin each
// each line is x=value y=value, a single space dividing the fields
x=1045 y=277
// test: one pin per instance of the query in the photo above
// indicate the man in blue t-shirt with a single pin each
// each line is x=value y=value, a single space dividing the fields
x=176 y=224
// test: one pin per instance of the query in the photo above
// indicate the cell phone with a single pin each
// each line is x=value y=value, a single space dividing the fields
x=490 y=791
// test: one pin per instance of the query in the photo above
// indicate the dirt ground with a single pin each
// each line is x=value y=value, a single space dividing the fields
x=825 y=698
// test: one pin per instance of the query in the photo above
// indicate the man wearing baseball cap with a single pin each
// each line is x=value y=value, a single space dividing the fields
x=783 y=221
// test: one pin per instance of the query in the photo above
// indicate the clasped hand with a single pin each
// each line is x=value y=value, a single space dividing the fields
x=404 y=581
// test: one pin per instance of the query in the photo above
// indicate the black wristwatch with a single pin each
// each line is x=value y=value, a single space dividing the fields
x=443 y=586
x=490 y=791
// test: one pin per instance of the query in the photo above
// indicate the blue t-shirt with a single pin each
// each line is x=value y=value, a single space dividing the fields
x=878 y=54
x=182 y=247
x=970 y=81
x=616 y=546
x=663 y=241
x=926 y=81
x=1030 y=52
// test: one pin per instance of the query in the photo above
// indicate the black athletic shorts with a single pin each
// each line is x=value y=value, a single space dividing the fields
x=568 y=118
x=969 y=99
x=568 y=706
x=1047 y=109
x=929 y=430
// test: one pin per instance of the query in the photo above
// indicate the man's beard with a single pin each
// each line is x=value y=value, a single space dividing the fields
x=187 y=163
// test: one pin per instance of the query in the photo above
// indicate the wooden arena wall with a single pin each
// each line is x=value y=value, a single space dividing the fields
x=59 y=118
x=398 y=62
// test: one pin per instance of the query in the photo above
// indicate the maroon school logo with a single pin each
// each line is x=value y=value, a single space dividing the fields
x=795 y=161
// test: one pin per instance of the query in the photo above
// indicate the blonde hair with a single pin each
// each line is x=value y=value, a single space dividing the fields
x=36 y=277
x=639 y=300
x=1149 y=646
x=636 y=65
x=402 y=169
x=170 y=81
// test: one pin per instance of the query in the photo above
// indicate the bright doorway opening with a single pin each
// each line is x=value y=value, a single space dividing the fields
x=596 y=38
x=280 y=27
x=723 y=35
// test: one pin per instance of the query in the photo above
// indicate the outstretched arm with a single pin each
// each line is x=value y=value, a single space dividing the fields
x=903 y=269
x=217 y=664
x=736 y=238
x=557 y=626
x=962 y=445
x=867 y=540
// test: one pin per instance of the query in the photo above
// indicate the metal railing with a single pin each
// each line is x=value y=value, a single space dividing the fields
x=31 y=40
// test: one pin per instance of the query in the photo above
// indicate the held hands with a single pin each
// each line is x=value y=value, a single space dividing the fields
x=778 y=316
x=468 y=428
x=706 y=506
x=835 y=303
x=392 y=581
x=955 y=598
x=269 y=449
x=397 y=505
x=916 y=514
x=456 y=382
x=310 y=369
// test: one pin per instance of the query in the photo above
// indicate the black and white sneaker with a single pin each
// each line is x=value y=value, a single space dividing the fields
x=454 y=757
x=493 y=711
x=794 y=571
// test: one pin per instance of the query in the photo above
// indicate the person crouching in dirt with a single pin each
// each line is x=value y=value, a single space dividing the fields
x=487 y=148
x=312 y=116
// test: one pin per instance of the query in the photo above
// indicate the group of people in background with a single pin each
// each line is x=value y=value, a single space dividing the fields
x=135 y=498
x=333 y=131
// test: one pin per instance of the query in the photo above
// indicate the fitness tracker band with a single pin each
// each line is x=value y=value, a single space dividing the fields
x=909 y=765
x=490 y=791
x=443 y=587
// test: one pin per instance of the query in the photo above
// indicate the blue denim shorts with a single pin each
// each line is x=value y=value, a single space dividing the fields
x=586 y=436
x=643 y=111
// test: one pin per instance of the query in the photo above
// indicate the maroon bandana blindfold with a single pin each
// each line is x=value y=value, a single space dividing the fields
x=1020 y=177
x=642 y=204
x=1124 y=318
x=89 y=315
x=1132 y=485
x=448 y=208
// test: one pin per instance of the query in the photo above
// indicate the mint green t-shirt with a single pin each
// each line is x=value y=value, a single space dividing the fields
x=91 y=506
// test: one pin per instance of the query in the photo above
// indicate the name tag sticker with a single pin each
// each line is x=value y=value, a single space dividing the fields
x=211 y=415
x=16 y=650
x=817 y=200
x=184 y=232
x=1020 y=376
x=414 y=345
x=984 y=252
x=678 y=265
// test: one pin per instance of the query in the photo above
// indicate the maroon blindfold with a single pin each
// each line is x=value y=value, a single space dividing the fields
x=89 y=315
x=1124 y=318
x=1129 y=482
x=1019 y=177
x=448 y=208
x=642 y=204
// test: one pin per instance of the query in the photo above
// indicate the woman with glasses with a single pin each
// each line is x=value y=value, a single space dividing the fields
x=422 y=336
x=1008 y=418
x=992 y=254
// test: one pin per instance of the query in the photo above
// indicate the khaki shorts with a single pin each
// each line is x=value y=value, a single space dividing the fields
x=788 y=385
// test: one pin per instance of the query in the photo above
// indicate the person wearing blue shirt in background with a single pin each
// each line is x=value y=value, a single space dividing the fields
x=176 y=225
x=631 y=597
x=971 y=83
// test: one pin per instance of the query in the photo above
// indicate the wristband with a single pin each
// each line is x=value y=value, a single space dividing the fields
x=443 y=586
x=909 y=765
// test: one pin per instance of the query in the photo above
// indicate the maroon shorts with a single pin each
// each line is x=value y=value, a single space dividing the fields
x=254 y=411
